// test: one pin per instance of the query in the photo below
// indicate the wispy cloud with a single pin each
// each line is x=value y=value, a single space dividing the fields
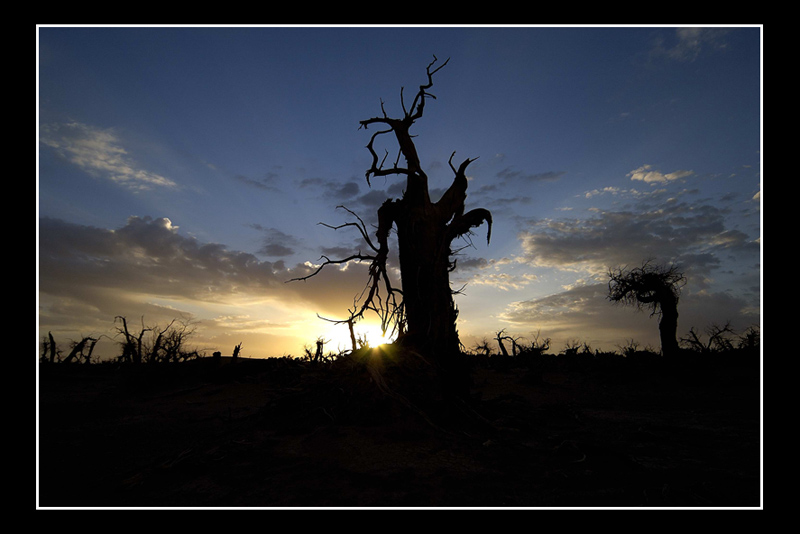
x=509 y=174
x=267 y=182
x=100 y=153
x=687 y=44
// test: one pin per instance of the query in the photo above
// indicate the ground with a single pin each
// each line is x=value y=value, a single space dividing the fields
x=548 y=432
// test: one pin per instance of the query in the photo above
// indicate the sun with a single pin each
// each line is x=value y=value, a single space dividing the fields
x=374 y=335
x=338 y=336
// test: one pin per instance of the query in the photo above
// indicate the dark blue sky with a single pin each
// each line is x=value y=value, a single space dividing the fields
x=182 y=171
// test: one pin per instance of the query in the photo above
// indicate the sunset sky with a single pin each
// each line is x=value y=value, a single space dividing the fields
x=182 y=173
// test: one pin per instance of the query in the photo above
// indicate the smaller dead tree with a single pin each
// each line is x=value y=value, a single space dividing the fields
x=483 y=347
x=77 y=352
x=131 y=345
x=318 y=354
x=158 y=343
x=655 y=287
x=168 y=344
x=719 y=339
x=502 y=336
x=750 y=340
x=50 y=352
x=538 y=346
x=174 y=340
x=350 y=322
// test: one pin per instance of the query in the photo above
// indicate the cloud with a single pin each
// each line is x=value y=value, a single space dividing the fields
x=473 y=272
x=276 y=243
x=503 y=281
x=105 y=272
x=694 y=235
x=99 y=153
x=687 y=44
x=508 y=174
x=266 y=183
x=332 y=189
x=146 y=257
x=645 y=174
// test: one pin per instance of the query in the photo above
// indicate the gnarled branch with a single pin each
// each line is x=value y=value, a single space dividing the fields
x=461 y=224
x=389 y=310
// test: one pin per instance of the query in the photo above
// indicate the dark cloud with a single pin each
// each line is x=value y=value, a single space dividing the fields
x=98 y=273
x=275 y=242
x=511 y=188
x=509 y=174
x=335 y=190
x=692 y=235
x=337 y=252
x=468 y=264
x=146 y=256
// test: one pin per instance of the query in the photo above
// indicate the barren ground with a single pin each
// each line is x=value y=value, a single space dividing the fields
x=280 y=433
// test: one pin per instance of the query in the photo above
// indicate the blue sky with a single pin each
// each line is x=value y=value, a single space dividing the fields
x=183 y=171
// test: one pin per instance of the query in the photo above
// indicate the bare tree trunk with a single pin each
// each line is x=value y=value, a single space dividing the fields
x=52 y=347
x=499 y=339
x=668 y=325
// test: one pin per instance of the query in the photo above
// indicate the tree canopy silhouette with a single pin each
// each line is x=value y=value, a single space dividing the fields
x=654 y=287
x=422 y=311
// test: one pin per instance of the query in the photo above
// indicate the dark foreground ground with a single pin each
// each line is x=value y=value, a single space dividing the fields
x=554 y=432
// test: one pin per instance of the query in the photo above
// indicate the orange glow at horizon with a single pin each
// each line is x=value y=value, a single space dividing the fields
x=337 y=336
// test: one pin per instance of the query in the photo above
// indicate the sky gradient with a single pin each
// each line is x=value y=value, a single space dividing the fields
x=182 y=173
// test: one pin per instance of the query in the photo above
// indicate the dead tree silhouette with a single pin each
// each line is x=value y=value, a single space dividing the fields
x=81 y=350
x=51 y=352
x=350 y=322
x=502 y=336
x=655 y=287
x=423 y=312
x=78 y=348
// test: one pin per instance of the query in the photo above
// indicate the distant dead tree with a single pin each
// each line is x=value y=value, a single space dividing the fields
x=502 y=336
x=236 y=350
x=750 y=340
x=80 y=350
x=483 y=347
x=173 y=345
x=168 y=343
x=539 y=344
x=50 y=352
x=654 y=287
x=719 y=339
x=131 y=345
x=571 y=347
x=318 y=355
x=350 y=322
x=320 y=345
x=77 y=353
x=423 y=312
